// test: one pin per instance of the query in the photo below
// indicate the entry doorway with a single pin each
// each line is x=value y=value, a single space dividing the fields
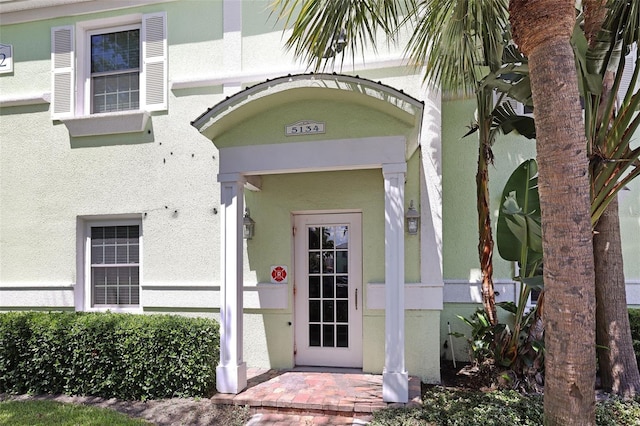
x=328 y=289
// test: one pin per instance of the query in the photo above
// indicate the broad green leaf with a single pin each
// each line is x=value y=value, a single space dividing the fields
x=518 y=229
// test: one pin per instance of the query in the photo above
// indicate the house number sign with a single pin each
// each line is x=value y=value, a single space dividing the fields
x=305 y=127
x=6 y=58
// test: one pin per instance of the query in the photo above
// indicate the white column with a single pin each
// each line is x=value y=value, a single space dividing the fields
x=231 y=373
x=395 y=380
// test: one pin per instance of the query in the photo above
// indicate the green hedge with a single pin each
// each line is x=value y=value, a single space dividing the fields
x=634 y=319
x=110 y=355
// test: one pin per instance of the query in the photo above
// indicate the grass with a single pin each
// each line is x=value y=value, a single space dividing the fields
x=448 y=407
x=51 y=413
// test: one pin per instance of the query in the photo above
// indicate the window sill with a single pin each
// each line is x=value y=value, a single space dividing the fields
x=107 y=124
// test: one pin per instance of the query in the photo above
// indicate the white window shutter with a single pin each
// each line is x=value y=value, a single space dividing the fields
x=154 y=65
x=627 y=74
x=62 y=72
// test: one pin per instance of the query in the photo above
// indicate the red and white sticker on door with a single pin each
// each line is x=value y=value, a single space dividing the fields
x=279 y=274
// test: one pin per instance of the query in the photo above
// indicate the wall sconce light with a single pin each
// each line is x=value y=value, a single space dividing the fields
x=248 y=225
x=413 y=220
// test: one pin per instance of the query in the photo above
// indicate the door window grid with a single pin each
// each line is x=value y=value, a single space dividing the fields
x=328 y=286
x=115 y=265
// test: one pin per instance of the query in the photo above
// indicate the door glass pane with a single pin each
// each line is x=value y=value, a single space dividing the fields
x=327 y=287
x=327 y=335
x=328 y=263
x=342 y=311
x=327 y=238
x=342 y=287
x=314 y=238
x=327 y=311
x=314 y=311
x=314 y=334
x=342 y=336
x=342 y=264
x=314 y=287
x=314 y=263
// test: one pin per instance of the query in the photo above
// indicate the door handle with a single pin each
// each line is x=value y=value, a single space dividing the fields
x=356 y=299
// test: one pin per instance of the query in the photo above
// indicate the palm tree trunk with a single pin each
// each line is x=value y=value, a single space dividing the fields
x=616 y=358
x=485 y=234
x=542 y=30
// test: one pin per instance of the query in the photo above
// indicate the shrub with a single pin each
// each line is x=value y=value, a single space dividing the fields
x=110 y=355
x=450 y=407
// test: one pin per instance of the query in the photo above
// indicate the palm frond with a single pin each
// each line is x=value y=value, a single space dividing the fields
x=317 y=25
x=457 y=40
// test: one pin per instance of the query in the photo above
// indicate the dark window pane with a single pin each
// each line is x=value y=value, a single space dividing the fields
x=342 y=262
x=134 y=254
x=342 y=311
x=124 y=296
x=314 y=238
x=314 y=311
x=342 y=287
x=327 y=336
x=109 y=234
x=97 y=255
x=328 y=263
x=112 y=277
x=122 y=234
x=110 y=254
x=135 y=295
x=327 y=311
x=124 y=276
x=135 y=274
x=97 y=234
x=122 y=254
x=112 y=295
x=327 y=287
x=314 y=287
x=314 y=334
x=342 y=336
x=314 y=263
x=327 y=238
x=98 y=276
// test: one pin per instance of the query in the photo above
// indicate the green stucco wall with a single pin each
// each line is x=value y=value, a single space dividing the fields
x=460 y=159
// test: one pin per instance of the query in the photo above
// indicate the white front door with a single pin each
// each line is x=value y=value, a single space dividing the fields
x=328 y=289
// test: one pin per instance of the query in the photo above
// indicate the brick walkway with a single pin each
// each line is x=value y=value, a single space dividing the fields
x=313 y=396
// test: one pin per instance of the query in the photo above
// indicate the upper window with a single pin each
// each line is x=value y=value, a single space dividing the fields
x=115 y=71
x=110 y=65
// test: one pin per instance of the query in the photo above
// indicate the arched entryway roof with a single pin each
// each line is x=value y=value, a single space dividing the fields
x=368 y=108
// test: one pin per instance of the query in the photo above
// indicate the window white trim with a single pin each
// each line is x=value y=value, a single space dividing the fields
x=71 y=66
x=85 y=287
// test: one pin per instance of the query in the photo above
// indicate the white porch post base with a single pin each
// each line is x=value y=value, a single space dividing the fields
x=231 y=378
x=395 y=386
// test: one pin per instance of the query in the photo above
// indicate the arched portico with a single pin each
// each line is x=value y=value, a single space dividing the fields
x=327 y=122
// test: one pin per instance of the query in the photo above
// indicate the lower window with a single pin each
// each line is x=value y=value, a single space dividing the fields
x=115 y=265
